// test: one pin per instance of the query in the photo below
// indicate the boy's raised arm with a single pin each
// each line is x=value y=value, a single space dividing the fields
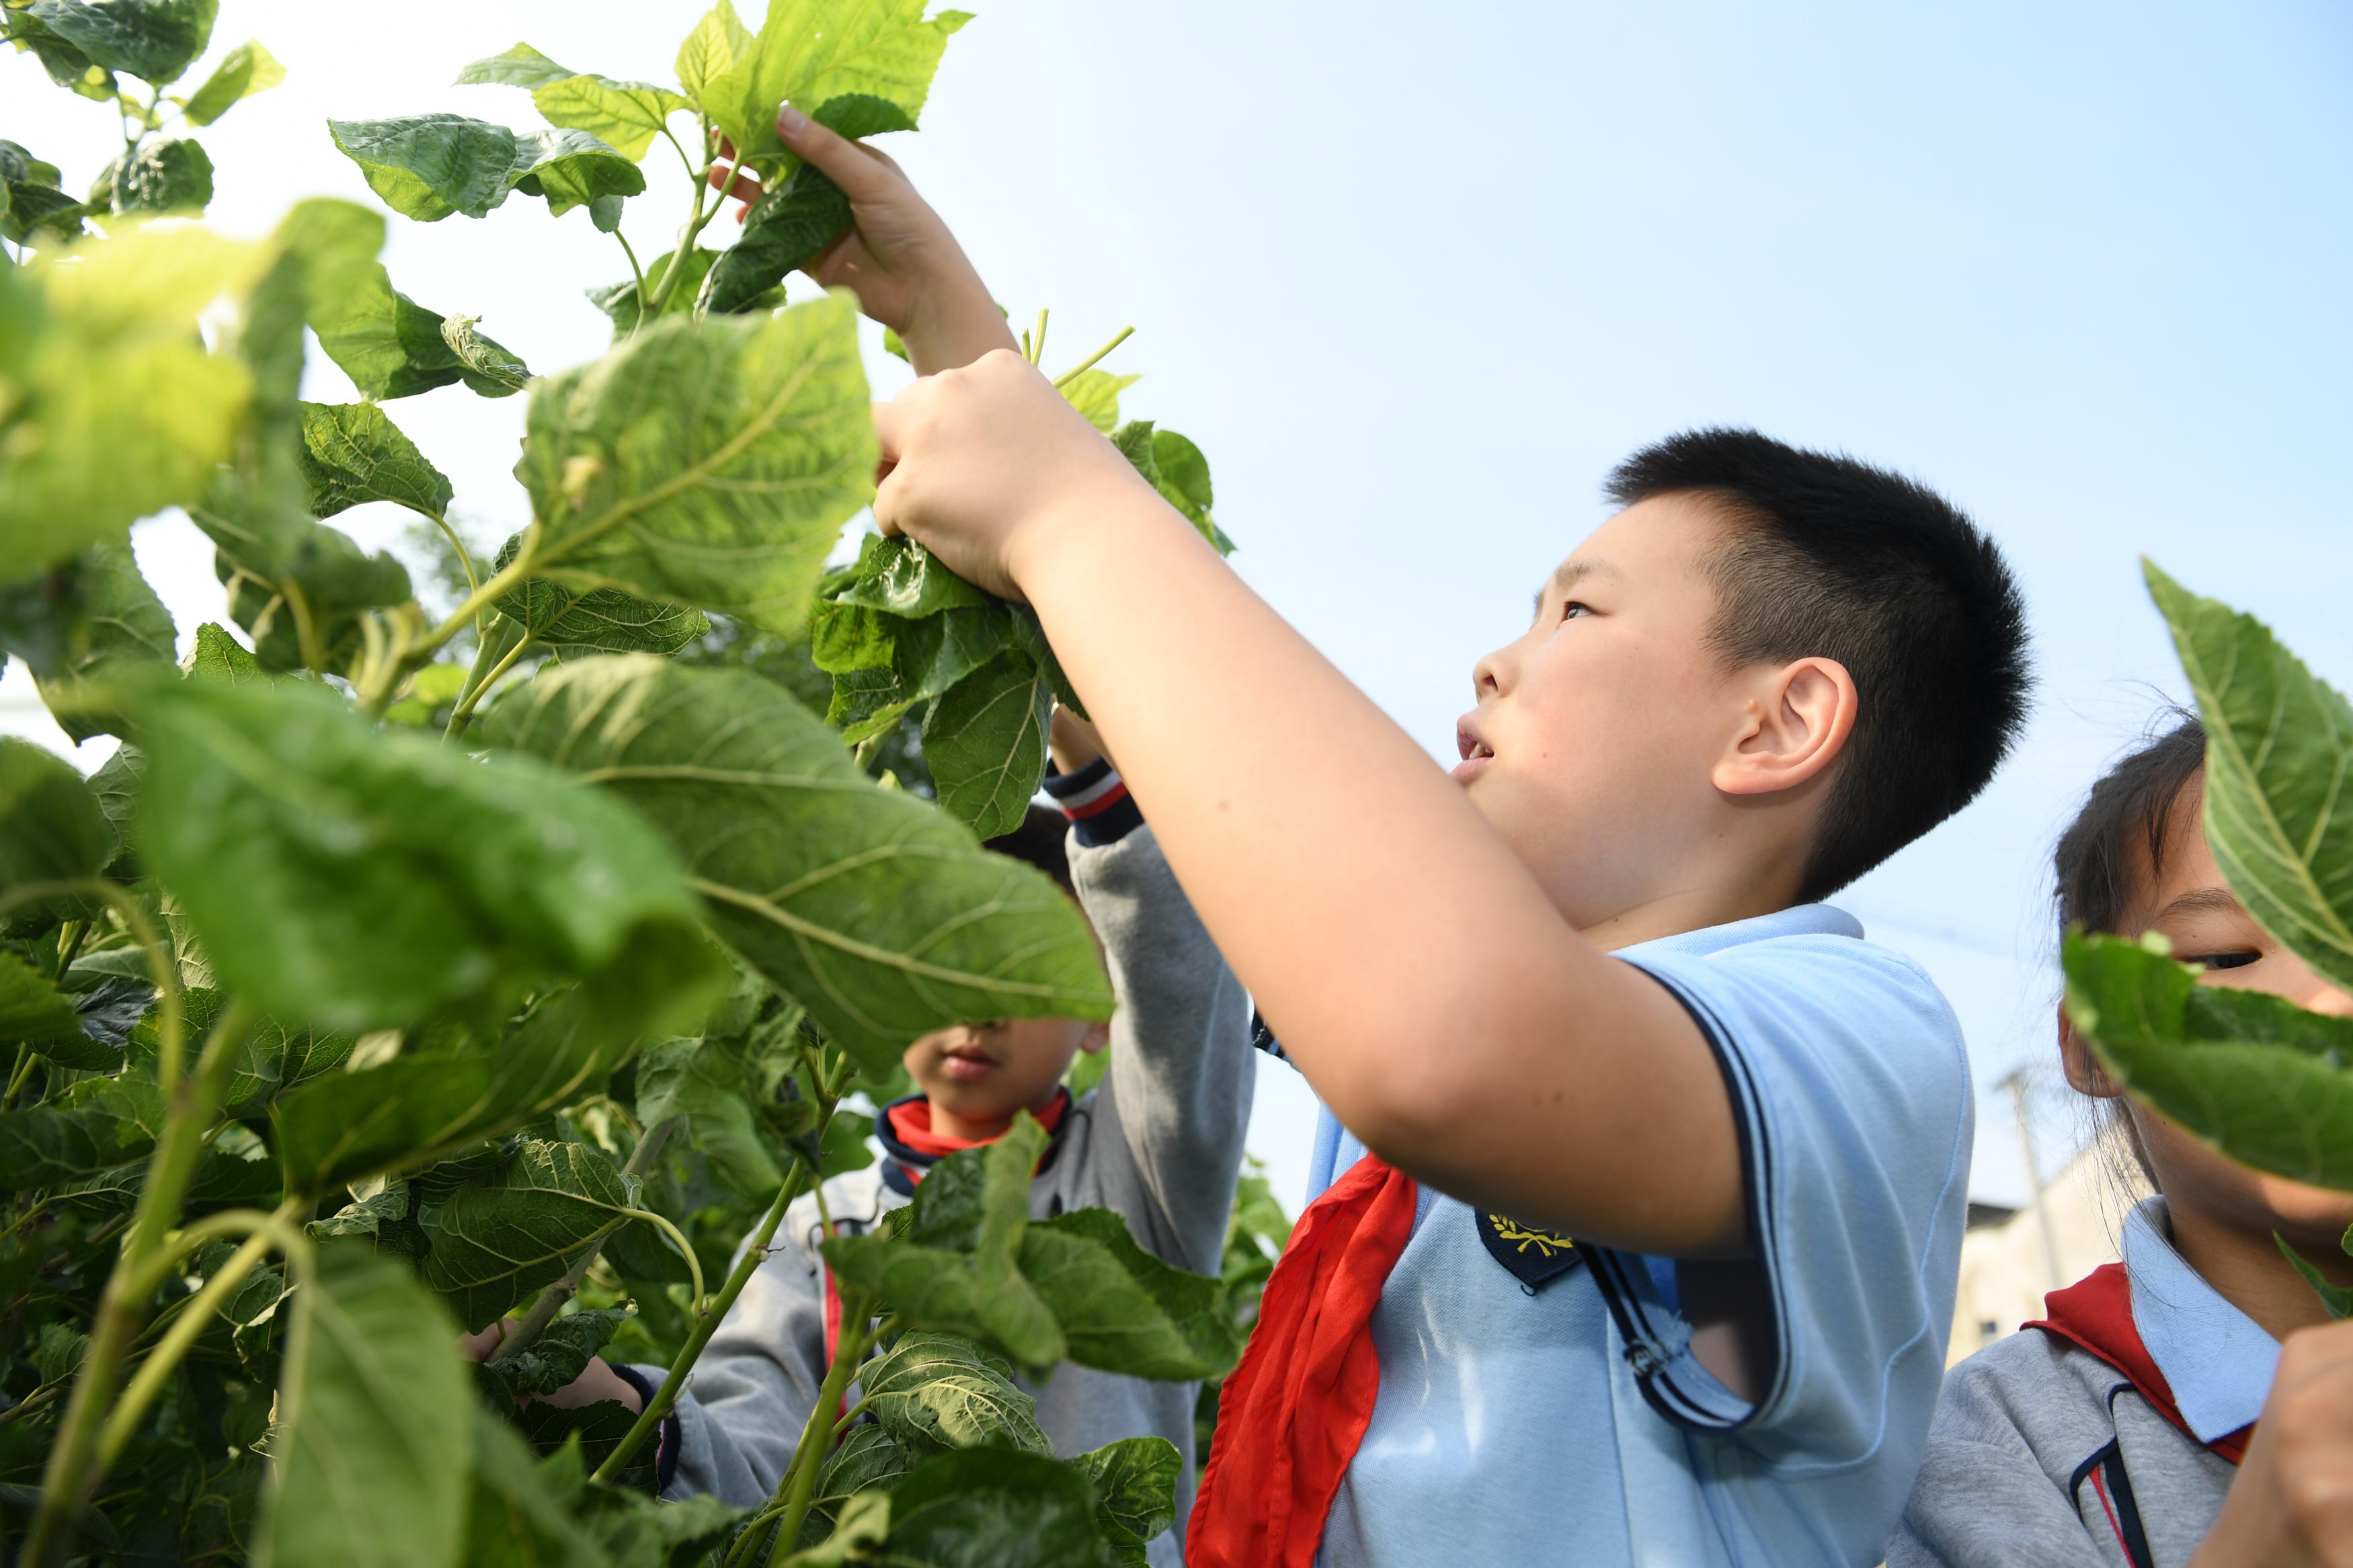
x=1415 y=971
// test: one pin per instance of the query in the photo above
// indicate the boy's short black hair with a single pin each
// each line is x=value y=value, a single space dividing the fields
x=1041 y=840
x=1832 y=558
x=2096 y=873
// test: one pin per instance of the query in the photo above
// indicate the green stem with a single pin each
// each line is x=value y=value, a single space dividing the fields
x=171 y=1025
x=551 y=1299
x=635 y=271
x=33 y=1404
x=16 y=1077
x=691 y=231
x=1092 y=360
x=73 y=1471
x=463 y=713
x=490 y=593
x=823 y=1427
x=71 y=937
x=465 y=556
x=1037 y=339
x=263 y=1232
x=755 y=1252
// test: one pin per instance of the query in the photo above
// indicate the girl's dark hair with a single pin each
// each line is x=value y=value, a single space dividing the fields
x=2098 y=875
x=2098 y=878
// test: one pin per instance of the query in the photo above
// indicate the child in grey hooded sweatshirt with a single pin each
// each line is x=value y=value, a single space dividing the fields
x=1159 y=1143
x=2193 y=1404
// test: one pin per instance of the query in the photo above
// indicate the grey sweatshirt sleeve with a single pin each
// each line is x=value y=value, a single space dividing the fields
x=753 y=1387
x=1176 y=1101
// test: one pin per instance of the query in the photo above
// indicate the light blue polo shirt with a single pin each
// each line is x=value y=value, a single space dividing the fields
x=1571 y=1423
x=2218 y=1361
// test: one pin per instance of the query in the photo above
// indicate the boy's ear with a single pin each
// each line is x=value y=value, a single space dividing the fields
x=1097 y=1038
x=2085 y=1073
x=1798 y=718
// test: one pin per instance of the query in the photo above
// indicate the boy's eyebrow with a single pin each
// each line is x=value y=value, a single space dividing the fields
x=2216 y=900
x=1568 y=576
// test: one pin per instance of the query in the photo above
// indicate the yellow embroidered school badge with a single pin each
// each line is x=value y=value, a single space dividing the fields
x=1536 y=1257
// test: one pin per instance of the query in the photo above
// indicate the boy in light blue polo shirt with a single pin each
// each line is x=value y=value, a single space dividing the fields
x=1702 y=1148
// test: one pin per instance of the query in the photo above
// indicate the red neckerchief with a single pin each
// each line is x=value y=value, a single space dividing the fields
x=911 y=1124
x=2095 y=1315
x=1293 y=1413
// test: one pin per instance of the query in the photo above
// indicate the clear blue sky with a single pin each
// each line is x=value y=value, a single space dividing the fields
x=1414 y=282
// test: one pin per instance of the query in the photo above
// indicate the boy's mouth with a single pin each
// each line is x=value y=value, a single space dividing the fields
x=1476 y=755
x=967 y=1064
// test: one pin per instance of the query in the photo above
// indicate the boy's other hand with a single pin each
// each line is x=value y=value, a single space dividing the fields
x=2291 y=1504
x=981 y=466
x=597 y=1383
x=1075 y=743
x=907 y=270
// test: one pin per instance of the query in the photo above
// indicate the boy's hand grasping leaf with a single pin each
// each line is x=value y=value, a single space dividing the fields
x=986 y=464
x=907 y=270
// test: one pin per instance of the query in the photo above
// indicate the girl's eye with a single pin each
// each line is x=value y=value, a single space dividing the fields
x=1573 y=609
x=2224 y=959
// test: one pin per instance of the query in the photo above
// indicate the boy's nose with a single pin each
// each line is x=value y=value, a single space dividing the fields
x=1488 y=675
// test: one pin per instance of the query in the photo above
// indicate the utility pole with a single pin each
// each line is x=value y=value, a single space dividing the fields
x=2015 y=1080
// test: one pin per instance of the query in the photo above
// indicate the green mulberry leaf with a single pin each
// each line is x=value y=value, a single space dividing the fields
x=428 y=166
x=880 y=917
x=2253 y=1074
x=2279 y=750
x=573 y=169
x=506 y=1233
x=80 y=629
x=353 y=453
x=374 y=1441
x=351 y=879
x=154 y=40
x=933 y=1391
x=706 y=463
x=985 y=741
x=979 y=1507
x=1136 y=1492
x=485 y=363
x=245 y=70
x=166 y=176
x=810 y=52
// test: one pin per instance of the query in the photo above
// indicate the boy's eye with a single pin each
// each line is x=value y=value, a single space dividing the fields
x=2222 y=960
x=1573 y=608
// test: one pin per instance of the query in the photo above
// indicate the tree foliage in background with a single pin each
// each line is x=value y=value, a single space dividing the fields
x=2265 y=1081
x=526 y=955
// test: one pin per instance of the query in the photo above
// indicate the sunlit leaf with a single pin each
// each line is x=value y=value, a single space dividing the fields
x=881 y=918
x=245 y=70
x=707 y=463
x=2279 y=757
x=121 y=411
x=810 y=52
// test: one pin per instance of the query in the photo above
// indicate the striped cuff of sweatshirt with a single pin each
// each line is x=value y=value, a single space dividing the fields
x=1096 y=801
